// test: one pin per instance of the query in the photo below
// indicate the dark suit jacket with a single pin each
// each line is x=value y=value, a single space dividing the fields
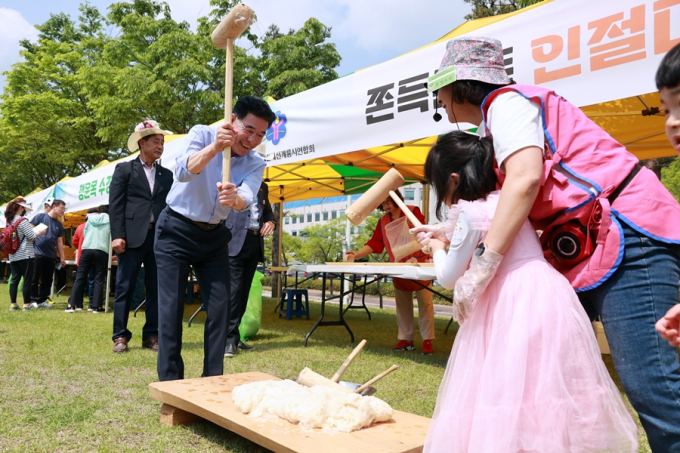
x=238 y=222
x=131 y=200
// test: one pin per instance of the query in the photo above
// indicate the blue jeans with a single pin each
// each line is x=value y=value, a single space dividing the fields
x=641 y=291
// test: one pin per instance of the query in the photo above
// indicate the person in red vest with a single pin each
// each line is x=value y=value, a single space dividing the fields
x=403 y=288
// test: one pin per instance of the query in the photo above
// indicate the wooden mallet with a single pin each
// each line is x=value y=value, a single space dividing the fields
x=374 y=197
x=336 y=377
x=223 y=37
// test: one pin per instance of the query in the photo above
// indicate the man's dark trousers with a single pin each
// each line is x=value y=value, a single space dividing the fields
x=43 y=275
x=243 y=267
x=129 y=263
x=180 y=244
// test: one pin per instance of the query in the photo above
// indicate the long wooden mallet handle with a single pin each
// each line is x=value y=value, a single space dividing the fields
x=407 y=212
x=223 y=37
x=377 y=378
x=346 y=363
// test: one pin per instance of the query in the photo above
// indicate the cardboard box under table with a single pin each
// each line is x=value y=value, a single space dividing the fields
x=187 y=401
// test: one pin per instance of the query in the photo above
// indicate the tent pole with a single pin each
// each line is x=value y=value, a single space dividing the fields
x=426 y=201
x=108 y=277
x=279 y=283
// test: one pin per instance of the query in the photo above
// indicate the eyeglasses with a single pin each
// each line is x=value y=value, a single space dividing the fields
x=252 y=134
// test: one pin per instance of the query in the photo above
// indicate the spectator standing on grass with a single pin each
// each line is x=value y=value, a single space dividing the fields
x=47 y=248
x=95 y=254
x=248 y=229
x=21 y=262
x=137 y=196
x=78 y=244
x=47 y=205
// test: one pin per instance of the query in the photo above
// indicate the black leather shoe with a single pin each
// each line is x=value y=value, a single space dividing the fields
x=245 y=347
x=230 y=350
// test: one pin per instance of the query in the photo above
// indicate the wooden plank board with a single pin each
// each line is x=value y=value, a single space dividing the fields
x=343 y=263
x=210 y=398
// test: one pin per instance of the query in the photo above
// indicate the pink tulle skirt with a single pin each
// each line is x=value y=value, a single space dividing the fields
x=526 y=375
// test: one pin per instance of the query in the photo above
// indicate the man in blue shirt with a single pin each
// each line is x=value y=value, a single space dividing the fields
x=46 y=248
x=191 y=231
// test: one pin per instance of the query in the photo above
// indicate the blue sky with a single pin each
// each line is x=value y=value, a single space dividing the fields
x=366 y=32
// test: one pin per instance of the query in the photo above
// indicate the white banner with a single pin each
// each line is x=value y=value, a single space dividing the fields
x=589 y=52
x=35 y=201
x=91 y=189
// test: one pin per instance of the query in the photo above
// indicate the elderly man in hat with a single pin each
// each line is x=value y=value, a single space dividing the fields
x=136 y=198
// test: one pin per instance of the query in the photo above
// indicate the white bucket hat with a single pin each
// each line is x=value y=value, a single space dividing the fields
x=26 y=205
x=144 y=129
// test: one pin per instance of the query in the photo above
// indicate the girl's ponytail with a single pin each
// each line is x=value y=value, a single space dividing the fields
x=468 y=155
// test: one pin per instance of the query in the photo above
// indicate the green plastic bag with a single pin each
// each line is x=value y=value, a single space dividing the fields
x=252 y=318
x=21 y=284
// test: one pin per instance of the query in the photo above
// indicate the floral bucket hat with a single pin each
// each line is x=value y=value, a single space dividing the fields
x=144 y=129
x=470 y=58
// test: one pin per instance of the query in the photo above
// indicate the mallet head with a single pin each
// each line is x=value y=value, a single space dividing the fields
x=239 y=18
x=374 y=196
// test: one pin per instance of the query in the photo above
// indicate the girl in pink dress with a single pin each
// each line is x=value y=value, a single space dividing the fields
x=525 y=373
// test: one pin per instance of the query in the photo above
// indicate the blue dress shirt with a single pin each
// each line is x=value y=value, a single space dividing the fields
x=195 y=195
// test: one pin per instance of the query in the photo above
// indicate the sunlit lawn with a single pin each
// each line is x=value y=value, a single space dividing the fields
x=64 y=390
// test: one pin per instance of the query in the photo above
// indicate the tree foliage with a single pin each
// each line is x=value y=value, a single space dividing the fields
x=486 y=8
x=85 y=83
x=670 y=177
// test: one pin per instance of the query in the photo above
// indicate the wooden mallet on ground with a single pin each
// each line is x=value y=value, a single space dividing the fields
x=336 y=377
x=374 y=197
x=223 y=37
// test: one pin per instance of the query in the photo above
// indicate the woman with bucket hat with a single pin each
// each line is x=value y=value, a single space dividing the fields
x=21 y=261
x=607 y=223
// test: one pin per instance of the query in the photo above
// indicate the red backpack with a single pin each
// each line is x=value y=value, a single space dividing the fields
x=9 y=238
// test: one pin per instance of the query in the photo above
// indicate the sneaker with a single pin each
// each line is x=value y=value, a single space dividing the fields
x=70 y=309
x=98 y=310
x=31 y=306
x=90 y=309
x=427 y=347
x=45 y=305
x=13 y=307
x=404 y=345
x=79 y=309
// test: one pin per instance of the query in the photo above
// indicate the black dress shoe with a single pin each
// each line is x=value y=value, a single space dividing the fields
x=245 y=347
x=230 y=350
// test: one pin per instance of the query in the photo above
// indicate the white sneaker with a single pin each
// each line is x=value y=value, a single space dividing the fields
x=70 y=309
x=79 y=309
x=90 y=309
x=44 y=305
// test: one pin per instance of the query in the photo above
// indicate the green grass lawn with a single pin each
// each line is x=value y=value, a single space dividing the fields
x=64 y=390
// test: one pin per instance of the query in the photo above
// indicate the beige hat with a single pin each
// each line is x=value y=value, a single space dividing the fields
x=144 y=129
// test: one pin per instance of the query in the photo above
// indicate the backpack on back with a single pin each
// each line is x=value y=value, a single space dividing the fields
x=9 y=238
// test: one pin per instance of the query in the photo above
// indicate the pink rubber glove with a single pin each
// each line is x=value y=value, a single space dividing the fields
x=474 y=282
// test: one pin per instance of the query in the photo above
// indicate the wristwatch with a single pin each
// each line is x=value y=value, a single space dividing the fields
x=479 y=251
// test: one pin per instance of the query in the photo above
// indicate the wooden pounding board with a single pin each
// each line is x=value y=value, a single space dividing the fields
x=210 y=398
x=353 y=263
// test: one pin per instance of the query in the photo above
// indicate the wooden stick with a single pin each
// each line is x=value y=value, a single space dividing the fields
x=376 y=379
x=343 y=367
x=407 y=212
x=228 y=94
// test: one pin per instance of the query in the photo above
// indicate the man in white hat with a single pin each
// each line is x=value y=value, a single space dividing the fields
x=48 y=204
x=136 y=198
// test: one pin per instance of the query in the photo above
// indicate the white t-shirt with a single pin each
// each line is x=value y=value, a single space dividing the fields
x=515 y=123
